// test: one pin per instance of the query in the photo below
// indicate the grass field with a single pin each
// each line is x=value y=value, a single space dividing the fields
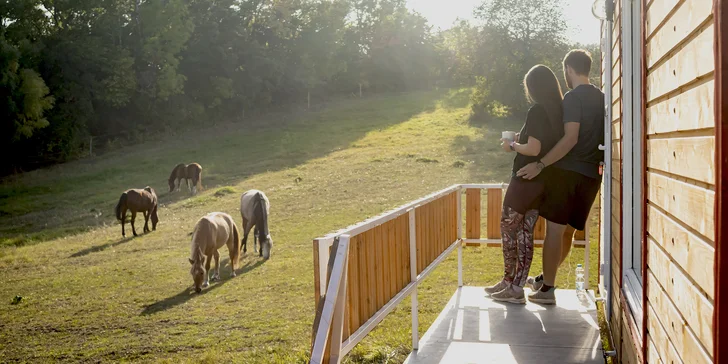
x=89 y=295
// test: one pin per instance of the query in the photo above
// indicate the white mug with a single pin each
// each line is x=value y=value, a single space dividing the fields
x=510 y=135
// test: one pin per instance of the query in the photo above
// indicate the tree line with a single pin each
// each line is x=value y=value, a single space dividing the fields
x=71 y=69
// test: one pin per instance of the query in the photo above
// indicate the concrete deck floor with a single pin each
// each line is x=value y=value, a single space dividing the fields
x=475 y=329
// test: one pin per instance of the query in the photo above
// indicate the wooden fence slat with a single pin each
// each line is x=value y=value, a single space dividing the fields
x=419 y=226
x=394 y=259
x=404 y=246
x=495 y=204
x=378 y=267
x=353 y=284
x=580 y=235
x=371 y=273
x=472 y=215
x=363 y=278
x=539 y=231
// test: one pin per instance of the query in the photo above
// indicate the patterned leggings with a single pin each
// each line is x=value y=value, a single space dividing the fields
x=517 y=234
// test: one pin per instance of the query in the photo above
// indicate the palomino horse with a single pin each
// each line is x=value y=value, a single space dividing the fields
x=255 y=207
x=212 y=232
x=187 y=172
x=135 y=200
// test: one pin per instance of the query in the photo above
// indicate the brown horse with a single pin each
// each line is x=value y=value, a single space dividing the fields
x=212 y=232
x=136 y=200
x=189 y=173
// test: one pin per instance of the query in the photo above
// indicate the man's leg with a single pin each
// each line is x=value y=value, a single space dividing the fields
x=566 y=243
x=552 y=252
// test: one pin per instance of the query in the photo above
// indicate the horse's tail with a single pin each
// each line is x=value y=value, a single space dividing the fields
x=236 y=245
x=263 y=215
x=120 y=205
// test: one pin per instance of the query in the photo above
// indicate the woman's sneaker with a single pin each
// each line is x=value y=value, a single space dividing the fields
x=535 y=282
x=511 y=295
x=544 y=298
x=496 y=288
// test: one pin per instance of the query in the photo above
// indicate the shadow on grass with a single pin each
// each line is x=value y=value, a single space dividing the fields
x=188 y=293
x=99 y=248
x=229 y=154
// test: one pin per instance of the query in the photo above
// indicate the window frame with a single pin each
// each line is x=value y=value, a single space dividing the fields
x=632 y=187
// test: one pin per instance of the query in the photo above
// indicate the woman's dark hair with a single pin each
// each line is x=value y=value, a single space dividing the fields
x=543 y=88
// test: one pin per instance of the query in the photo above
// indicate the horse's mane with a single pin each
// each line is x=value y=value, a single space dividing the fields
x=262 y=211
x=196 y=248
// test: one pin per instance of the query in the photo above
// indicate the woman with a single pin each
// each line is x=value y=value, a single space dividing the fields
x=542 y=129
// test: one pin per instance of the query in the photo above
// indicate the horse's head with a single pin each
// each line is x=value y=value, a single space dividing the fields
x=198 y=273
x=267 y=245
x=171 y=184
x=155 y=218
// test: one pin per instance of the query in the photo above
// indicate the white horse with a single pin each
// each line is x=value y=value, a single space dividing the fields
x=211 y=232
x=254 y=208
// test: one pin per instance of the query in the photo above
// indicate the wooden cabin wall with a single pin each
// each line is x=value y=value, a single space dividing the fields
x=680 y=147
x=680 y=185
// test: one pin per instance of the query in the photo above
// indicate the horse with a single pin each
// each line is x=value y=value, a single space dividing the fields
x=211 y=232
x=136 y=200
x=186 y=172
x=254 y=208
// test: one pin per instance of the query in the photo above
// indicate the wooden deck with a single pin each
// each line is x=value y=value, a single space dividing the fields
x=474 y=329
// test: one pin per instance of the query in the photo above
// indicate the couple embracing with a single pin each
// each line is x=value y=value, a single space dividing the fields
x=556 y=175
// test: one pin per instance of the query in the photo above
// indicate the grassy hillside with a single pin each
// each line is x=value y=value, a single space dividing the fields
x=89 y=295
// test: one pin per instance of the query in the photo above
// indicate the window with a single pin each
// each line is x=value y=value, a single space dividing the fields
x=632 y=135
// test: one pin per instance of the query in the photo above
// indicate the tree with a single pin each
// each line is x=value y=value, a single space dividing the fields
x=516 y=35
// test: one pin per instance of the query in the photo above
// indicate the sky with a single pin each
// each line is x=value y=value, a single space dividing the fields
x=583 y=27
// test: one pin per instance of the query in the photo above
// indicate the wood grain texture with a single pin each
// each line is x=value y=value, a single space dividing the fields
x=495 y=205
x=657 y=13
x=695 y=308
x=691 y=253
x=472 y=213
x=662 y=344
x=690 y=204
x=692 y=157
x=687 y=65
x=692 y=109
x=678 y=331
x=686 y=19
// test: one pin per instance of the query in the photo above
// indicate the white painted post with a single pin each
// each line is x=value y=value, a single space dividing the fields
x=413 y=276
x=332 y=316
x=460 y=237
x=337 y=328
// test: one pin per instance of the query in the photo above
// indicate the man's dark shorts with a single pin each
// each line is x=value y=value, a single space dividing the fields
x=568 y=197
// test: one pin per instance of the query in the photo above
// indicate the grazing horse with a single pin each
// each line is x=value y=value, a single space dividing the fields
x=212 y=232
x=136 y=200
x=254 y=208
x=187 y=172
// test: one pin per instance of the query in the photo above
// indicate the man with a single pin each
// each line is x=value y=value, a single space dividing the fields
x=574 y=176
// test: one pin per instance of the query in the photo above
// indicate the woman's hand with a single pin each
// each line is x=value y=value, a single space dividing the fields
x=506 y=145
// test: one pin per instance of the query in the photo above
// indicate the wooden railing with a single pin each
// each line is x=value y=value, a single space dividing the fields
x=363 y=272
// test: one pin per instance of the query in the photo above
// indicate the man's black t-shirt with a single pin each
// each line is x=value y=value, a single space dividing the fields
x=537 y=125
x=584 y=105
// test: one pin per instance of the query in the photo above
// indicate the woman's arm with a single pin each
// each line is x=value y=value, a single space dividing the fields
x=531 y=149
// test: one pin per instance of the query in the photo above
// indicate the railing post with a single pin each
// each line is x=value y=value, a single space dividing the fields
x=460 y=236
x=413 y=276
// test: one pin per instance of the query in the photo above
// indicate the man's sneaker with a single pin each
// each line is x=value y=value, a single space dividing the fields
x=544 y=298
x=535 y=282
x=509 y=295
x=496 y=288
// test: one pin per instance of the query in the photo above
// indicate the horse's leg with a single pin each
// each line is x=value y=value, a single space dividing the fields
x=133 y=218
x=146 y=221
x=246 y=230
x=231 y=246
x=208 y=260
x=258 y=245
x=216 y=255
x=123 y=222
